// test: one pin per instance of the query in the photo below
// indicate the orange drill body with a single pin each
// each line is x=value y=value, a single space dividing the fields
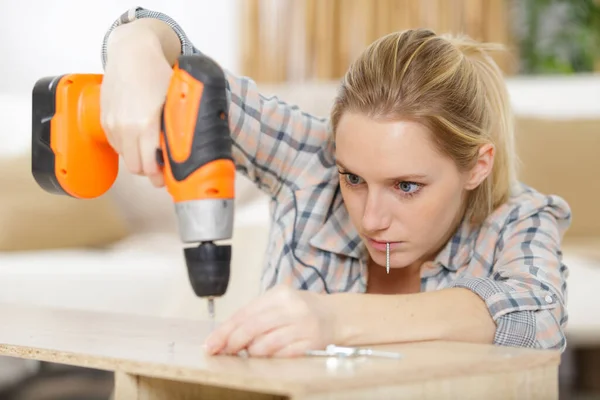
x=70 y=152
x=71 y=156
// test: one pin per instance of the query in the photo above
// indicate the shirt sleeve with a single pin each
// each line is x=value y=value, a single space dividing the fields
x=272 y=140
x=526 y=293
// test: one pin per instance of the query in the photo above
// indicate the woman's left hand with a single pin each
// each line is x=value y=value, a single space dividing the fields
x=283 y=322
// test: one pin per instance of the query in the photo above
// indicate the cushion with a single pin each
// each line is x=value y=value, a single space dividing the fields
x=32 y=219
x=15 y=111
x=560 y=156
x=588 y=247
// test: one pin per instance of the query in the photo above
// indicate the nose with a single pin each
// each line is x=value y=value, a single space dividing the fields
x=376 y=214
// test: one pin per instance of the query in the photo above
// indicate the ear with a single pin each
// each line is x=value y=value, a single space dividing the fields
x=482 y=168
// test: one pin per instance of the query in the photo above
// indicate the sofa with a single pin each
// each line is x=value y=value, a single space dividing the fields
x=120 y=253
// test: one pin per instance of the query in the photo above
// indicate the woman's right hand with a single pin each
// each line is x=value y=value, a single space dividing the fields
x=135 y=83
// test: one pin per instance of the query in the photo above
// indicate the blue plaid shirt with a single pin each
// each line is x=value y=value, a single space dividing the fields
x=512 y=261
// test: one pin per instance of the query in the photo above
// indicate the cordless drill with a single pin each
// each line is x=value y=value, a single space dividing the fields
x=71 y=156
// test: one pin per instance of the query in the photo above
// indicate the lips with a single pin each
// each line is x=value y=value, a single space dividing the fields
x=382 y=246
x=380 y=241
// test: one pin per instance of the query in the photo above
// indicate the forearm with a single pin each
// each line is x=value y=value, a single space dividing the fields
x=273 y=141
x=152 y=34
x=452 y=314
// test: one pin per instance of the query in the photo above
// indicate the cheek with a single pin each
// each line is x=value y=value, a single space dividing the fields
x=417 y=214
x=444 y=205
x=354 y=203
x=429 y=211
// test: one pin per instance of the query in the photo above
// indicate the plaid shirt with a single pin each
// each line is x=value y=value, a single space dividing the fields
x=512 y=261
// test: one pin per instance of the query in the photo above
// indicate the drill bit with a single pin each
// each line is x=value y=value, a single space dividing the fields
x=387 y=257
x=211 y=312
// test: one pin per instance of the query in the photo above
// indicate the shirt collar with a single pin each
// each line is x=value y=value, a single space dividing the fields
x=459 y=249
x=338 y=234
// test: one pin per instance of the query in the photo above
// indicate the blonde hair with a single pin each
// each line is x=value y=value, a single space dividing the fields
x=452 y=86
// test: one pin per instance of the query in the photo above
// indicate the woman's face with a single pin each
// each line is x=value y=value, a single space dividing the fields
x=399 y=189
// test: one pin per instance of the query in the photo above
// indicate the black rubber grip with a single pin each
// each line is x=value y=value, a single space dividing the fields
x=43 y=107
x=212 y=139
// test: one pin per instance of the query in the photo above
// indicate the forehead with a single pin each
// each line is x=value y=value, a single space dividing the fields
x=362 y=142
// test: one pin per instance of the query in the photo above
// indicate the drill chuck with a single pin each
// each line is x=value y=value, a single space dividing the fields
x=208 y=268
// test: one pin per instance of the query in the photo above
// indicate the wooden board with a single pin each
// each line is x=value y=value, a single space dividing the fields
x=165 y=351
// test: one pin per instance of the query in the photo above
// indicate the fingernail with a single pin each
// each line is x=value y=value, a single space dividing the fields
x=207 y=348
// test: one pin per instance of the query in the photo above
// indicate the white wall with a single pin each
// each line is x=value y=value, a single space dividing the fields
x=51 y=37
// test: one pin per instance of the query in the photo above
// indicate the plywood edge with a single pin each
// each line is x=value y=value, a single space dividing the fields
x=151 y=370
x=518 y=361
x=547 y=361
x=534 y=384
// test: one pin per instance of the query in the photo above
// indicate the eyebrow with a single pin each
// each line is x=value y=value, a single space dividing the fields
x=406 y=177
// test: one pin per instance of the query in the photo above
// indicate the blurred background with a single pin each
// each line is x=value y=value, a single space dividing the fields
x=60 y=252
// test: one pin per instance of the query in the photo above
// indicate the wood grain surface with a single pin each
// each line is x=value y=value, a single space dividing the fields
x=171 y=350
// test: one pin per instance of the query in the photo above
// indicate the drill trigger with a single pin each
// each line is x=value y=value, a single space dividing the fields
x=160 y=160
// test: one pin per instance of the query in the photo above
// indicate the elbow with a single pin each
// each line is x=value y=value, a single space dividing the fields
x=551 y=327
x=530 y=318
x=537 y=329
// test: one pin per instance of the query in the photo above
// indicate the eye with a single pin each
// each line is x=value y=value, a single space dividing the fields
x=352 y=179
x=409 y=187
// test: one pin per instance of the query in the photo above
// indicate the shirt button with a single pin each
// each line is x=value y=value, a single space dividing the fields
x=548 y=299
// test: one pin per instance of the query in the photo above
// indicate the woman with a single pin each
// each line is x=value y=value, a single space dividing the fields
x=414 y=171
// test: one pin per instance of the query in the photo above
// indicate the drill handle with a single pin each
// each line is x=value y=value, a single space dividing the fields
x=196 y=144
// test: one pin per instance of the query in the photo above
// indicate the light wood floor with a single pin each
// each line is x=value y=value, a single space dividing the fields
x=58 y=382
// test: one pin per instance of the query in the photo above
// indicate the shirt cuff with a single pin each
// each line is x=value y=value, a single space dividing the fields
x=139 y=12
x=513 y=310
x=517 y=329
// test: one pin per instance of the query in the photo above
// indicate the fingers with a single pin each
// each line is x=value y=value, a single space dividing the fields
x=157 y=180
x=108 y=121
x=148 y=147
x=294 y=349
x=267 y=326
x=132 y=97
x=113 y=141
x=131 y=154
x=277 y=341
x=253 y=328
x=148 y=143
x=218 y=339
x=137 y=149
x=259 y=315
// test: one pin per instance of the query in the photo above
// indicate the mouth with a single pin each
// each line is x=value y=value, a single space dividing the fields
x=382 y=246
